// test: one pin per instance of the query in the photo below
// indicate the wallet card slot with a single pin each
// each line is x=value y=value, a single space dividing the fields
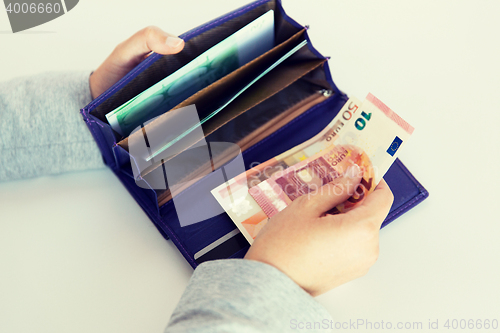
x=272 y=114
x=208 y=98
x=291 y=70
x=258 y=123
x=280 y=78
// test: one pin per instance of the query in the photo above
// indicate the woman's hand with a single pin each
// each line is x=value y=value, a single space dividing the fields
x=129 y=54
x=320 y=252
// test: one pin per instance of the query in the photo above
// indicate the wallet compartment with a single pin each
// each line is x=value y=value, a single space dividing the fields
x=197 y=41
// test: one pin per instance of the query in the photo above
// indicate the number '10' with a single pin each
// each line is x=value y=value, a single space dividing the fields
x=360 y=122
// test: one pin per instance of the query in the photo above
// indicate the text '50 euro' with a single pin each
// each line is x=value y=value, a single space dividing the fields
x=368 y=134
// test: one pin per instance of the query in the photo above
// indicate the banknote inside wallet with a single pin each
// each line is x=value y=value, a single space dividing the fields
x=258 y=122
x=204 y=40
x=253 y=126
x=209 y=98
x=267 y=109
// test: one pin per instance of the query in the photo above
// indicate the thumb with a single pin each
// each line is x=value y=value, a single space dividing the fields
x=376 y=205
x=146 y=40
x=332 y=194
x=161 y=42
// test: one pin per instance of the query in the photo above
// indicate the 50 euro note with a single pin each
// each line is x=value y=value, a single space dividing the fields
x=369 y=135
x=233 y=195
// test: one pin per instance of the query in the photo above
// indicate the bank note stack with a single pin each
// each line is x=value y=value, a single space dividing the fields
x=368 y=134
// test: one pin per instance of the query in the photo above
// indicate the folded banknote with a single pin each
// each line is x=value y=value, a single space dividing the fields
x=369 y=135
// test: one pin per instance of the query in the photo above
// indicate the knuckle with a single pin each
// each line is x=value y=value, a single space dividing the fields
x=311 y=204
x=119 y=50
x=304 y=201
x=118 y=47
x=149 y=31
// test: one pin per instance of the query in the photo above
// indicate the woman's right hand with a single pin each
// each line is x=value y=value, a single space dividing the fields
x=320 y=252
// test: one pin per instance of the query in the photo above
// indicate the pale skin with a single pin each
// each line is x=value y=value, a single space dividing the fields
x=318 y=251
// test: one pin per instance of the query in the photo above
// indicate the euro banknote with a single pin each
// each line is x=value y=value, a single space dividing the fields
x=233 y=195
x=369 y=135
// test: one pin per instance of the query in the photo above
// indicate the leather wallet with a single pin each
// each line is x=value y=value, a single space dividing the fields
x=291 y=104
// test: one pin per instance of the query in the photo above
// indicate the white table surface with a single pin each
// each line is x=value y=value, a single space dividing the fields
x=77 y=254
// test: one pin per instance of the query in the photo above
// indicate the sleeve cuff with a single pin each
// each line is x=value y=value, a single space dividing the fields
x=247 y=293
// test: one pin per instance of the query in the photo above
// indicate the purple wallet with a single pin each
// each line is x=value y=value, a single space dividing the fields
x=217 y=237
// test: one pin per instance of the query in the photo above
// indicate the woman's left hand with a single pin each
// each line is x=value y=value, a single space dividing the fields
x=129 y=54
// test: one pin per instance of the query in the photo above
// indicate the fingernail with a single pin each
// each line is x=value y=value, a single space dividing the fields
x=173 y=42
x=353 y=171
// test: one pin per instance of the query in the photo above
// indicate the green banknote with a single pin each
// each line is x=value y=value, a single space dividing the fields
x=233 y=52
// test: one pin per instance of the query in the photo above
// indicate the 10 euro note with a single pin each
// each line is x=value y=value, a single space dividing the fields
x=369 y=136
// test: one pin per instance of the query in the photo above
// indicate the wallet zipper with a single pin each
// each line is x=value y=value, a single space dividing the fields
x=286 y=117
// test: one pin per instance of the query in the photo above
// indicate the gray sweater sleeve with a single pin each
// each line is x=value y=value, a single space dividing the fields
x=42 y=133
x=238 y=295
x=41 y=129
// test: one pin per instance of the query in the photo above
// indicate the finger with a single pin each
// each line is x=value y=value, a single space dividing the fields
x=332 y=194
x=147 y=40
x=376 y=205
x=162 y=42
